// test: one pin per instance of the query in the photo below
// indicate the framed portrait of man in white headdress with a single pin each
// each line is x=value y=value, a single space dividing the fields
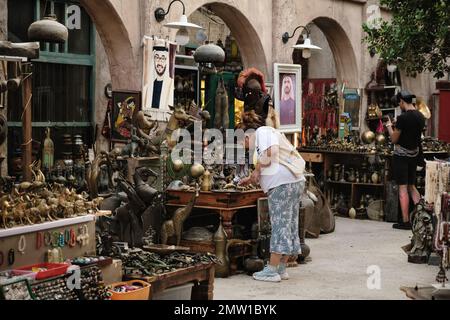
x=287 y=96
x=158 y=78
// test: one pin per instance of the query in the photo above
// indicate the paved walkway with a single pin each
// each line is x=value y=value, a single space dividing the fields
x=338 y=269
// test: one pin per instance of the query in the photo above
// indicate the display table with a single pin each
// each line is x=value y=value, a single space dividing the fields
x=35 y=251
x=226 y=204
x=202 y=275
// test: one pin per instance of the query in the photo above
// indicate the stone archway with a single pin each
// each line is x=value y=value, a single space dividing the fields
x=342 y=49
x=247 y=38
x=116 y=41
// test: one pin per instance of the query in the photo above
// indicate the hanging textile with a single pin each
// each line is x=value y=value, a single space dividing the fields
x=436 y=182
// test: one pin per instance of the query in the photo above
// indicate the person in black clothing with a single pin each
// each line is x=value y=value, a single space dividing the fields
x=407 y=137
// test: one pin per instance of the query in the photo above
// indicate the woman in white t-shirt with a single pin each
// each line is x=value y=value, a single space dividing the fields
x=284 y=190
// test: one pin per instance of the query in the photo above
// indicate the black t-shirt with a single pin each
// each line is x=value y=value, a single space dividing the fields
x=411 y=124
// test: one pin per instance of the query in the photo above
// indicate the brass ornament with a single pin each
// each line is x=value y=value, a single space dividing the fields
x=197 y=170
x=368 y=137
x=178 y=165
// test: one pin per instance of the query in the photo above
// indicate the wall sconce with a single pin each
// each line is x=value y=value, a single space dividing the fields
x=182 y=37
x=306 y=47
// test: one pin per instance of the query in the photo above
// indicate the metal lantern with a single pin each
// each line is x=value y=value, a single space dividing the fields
x=48 y=30
x=209 y=53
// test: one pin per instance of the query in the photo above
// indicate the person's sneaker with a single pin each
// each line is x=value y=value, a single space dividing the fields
x=282 y=272
x=268 y=274
x=402 y=226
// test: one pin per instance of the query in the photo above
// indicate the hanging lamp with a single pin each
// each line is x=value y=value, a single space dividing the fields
x=48 y=29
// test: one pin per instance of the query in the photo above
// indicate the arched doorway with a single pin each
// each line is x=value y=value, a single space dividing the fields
x=116 y=40
x=325 y=74
x=246 y=36
x=345 y=63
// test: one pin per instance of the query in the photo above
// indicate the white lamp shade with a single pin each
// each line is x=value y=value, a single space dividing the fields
x=183 y=23
x=307 y=45
x=182 y=37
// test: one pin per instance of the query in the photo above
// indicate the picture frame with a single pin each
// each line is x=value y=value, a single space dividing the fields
x=288 y=96
x=126 y=104
x=352 y=106
x=16 y=290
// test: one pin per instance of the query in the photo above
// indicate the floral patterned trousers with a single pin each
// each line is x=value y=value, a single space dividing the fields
x=284 y=206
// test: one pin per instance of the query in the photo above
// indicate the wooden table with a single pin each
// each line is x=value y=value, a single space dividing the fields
x=224 y=203
x=202 y=275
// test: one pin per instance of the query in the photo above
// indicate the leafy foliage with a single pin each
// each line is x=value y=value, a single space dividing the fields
x=417 y=38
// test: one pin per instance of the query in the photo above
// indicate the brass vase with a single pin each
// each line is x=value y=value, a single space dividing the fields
x=220 y=239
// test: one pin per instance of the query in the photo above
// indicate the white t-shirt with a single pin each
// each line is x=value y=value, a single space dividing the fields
x=276 y=174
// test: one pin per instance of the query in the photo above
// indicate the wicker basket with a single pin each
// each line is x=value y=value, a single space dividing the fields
x=139 y=294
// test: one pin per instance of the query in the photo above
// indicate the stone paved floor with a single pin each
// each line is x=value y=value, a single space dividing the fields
x=338 y=269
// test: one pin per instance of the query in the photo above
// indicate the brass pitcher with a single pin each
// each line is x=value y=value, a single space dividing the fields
x=220 y=239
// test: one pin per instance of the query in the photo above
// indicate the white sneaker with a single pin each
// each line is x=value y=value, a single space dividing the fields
x=268 y=274
x=282 y=272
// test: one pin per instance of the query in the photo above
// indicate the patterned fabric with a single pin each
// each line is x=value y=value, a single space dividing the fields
x=284 y=206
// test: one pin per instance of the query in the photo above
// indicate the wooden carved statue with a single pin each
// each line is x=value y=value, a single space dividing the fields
x=174 y=226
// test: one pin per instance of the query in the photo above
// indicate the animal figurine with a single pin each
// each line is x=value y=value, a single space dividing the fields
x=20 y=213
x=5 y=210
x=177 y=120
x=144 y=191
x=174 y=226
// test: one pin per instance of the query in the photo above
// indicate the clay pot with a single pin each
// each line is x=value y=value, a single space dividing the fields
x=48 y=30
x=375 y=177
x=352 y=213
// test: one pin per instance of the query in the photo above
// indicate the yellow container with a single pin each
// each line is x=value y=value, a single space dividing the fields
x=139 y=294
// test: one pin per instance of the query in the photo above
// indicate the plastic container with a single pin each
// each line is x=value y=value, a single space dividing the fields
x=176 y=293
x=139 y=294
x=13 y=275
x=53 y=270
